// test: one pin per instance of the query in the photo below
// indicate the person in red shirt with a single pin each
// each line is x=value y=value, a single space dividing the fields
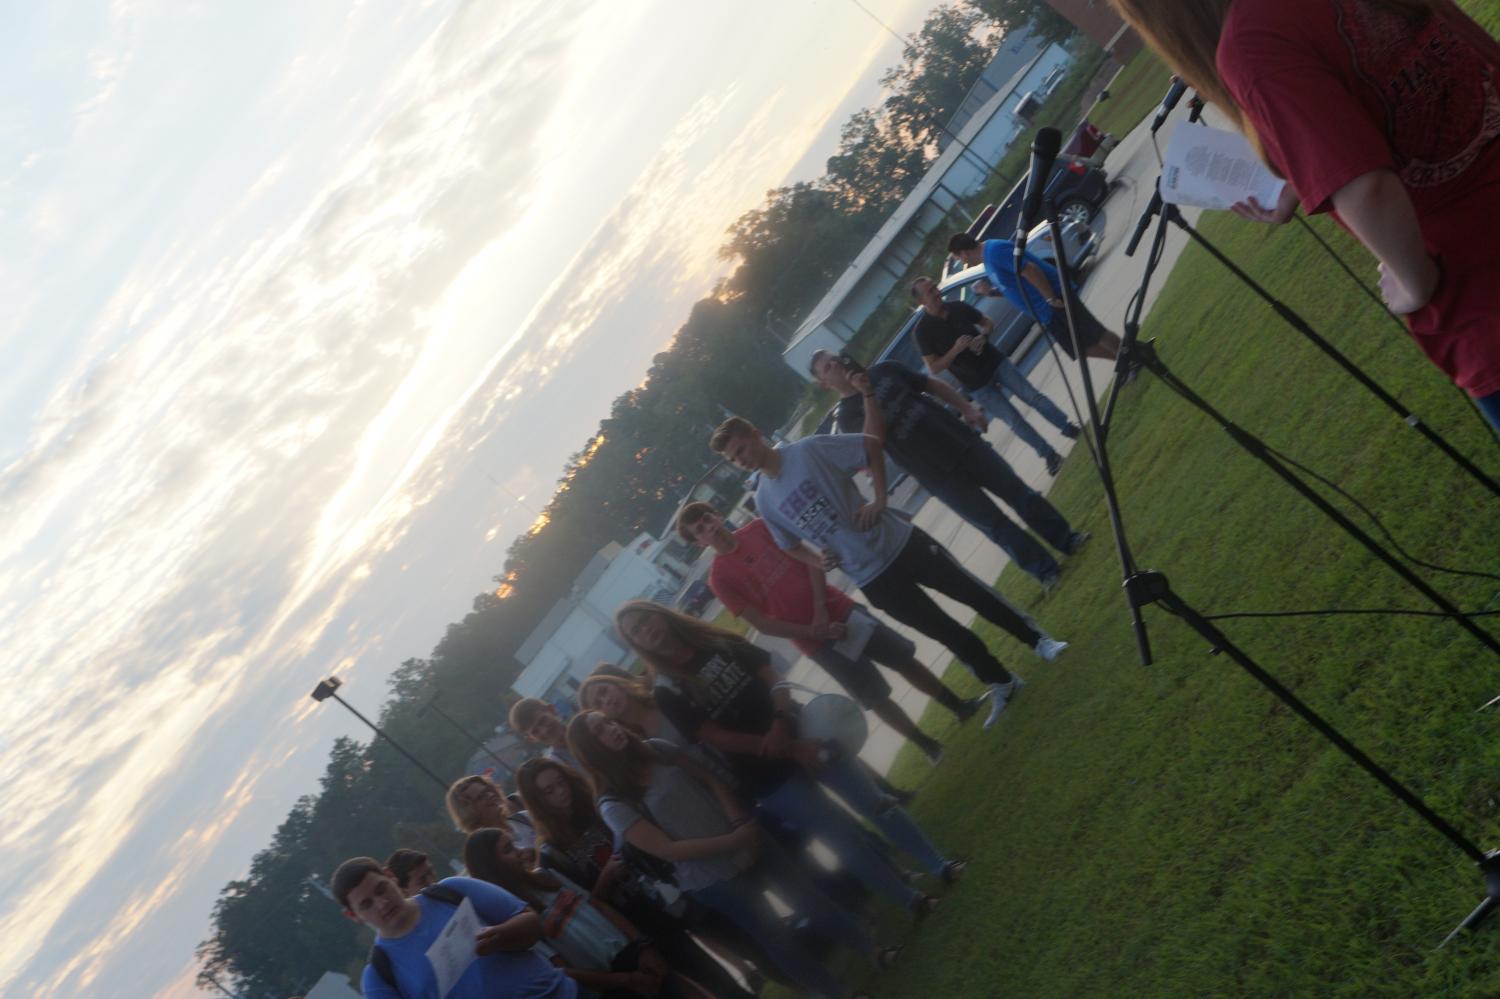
x=778 y=595
x=1385 y=112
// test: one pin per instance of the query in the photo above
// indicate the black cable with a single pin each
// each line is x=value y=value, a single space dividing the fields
x=1154 y=254
x=1384 y=531
x=1380 y=303
x=1172 y=381
x=1334 y=611
x=1078 y=419
x=1369 y=292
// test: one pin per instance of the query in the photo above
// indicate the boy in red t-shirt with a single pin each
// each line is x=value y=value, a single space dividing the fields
x=778 y=595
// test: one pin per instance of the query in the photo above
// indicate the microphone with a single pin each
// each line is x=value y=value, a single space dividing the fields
x=1145 y=220
x=1044 y=151
x=1174 y=94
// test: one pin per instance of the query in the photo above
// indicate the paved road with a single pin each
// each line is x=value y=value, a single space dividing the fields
x=1109 y=287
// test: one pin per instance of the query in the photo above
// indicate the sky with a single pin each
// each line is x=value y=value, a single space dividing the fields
x=306 y=305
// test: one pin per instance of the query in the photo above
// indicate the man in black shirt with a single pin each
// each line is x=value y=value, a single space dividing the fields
x=950 y=459
x=953 y=336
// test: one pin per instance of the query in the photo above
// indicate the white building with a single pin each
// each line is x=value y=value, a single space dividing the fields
x=1015 y=53
x=579 y=631
x=958 y=173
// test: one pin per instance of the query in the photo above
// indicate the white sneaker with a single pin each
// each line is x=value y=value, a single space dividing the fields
x=1000 y=695
x=1049 y=648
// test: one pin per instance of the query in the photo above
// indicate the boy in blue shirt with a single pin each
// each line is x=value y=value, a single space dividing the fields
x=1035 y=290
x=406 y=927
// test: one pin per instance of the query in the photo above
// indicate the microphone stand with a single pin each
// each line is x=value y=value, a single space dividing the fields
x=1144 y=588
x=1125 y=366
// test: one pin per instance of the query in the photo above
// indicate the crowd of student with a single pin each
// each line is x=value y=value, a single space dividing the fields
x=638 y=855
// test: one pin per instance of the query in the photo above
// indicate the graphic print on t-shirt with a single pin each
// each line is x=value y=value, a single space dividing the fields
x=814 y=517
x=1439 y=117
x=723 y=680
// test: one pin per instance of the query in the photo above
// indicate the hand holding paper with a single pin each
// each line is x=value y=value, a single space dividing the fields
x=453 y=951
x=1211 y=168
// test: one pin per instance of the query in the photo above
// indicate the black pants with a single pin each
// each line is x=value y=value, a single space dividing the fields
x=923 y=562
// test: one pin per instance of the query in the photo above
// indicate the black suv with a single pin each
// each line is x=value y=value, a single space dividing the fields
x=1076 y=186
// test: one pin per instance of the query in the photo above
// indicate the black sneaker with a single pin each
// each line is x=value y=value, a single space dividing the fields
x=1077 y=541
x=1071 y=431
x=1054 y=463
x=971 y=708
x=1050 y=581
x=953 y=870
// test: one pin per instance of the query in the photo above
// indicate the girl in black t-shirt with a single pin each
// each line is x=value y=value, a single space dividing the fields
x=718 y=688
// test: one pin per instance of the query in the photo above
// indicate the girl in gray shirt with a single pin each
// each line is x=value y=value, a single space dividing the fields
x=661 y=802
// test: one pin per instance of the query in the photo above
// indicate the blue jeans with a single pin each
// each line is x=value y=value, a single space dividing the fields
x=1008 y=379
x=966 y=491
x=850 y=781
x=1489 y=405
x=801 y=804
x=742 y=901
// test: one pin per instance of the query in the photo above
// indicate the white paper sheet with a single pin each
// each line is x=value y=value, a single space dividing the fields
x=1211 y=168
x=453 y=951
x=859 y=627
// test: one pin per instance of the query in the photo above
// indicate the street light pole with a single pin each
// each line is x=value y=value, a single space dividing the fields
x=329 y=688
x=432 y=703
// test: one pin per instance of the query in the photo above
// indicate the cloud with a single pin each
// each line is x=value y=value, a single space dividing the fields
x=166 y=521
x=272 y=435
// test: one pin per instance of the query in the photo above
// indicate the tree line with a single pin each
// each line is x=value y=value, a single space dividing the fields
x=273 y=931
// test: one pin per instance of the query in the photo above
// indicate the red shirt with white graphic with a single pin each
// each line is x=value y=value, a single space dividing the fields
x=759 y=574
x=1335 y=89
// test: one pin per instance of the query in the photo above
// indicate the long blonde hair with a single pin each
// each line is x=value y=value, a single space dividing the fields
x=465 y=815
x=696 y=634
x=637 y=690
x=1185 y=33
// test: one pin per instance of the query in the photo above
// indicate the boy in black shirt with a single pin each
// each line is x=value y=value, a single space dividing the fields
x=953 y=336
x=951 y=460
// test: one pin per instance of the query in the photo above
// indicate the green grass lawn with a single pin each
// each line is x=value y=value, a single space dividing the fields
x=1172 y=830
x=1133 y=94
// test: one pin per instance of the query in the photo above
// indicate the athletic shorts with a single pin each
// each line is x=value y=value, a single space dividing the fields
x=860 y=677
x=1090 y=329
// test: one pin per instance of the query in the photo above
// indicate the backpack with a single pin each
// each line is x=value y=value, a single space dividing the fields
x=381 y=961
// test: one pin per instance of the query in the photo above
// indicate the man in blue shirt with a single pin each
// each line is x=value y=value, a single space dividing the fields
x=1036 y=290
x=405 y=928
